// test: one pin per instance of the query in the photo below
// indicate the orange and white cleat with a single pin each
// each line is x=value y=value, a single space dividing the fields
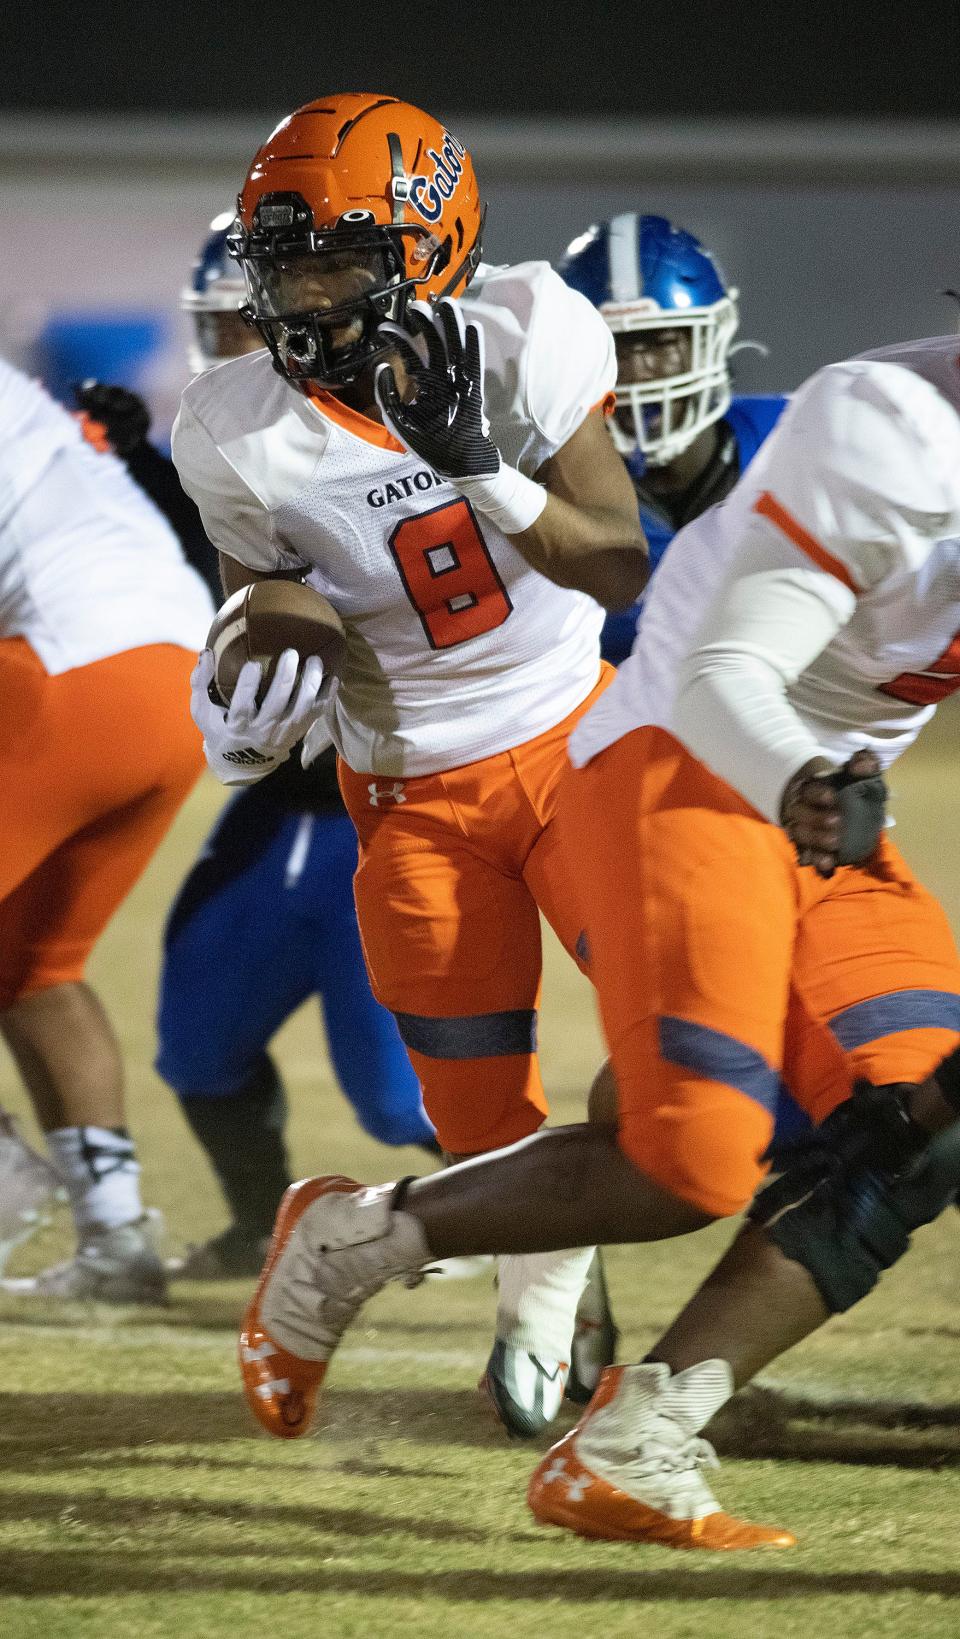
x=631 y=1469
x=335 y=1243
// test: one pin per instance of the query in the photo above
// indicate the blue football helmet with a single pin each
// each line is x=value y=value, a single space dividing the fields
x=642 y=273
x=216 y=288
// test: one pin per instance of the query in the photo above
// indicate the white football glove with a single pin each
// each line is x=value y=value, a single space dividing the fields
x=246 y=741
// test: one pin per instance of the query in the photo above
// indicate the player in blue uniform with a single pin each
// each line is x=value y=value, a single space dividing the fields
x=266 y=918
x=683 y=435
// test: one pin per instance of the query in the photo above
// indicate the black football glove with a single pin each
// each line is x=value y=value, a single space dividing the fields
x=444 y=424
x=122 y=414
x=836 y=817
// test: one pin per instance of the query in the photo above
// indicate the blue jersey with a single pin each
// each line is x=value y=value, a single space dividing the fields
x=749 y=419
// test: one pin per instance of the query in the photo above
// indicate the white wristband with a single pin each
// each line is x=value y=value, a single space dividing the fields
x=511 y=501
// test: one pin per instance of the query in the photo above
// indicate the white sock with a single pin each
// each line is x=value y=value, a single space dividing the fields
x=537 y=1297
x=101 y=1172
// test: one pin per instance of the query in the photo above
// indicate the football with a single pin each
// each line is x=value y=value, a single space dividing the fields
x=262 y=620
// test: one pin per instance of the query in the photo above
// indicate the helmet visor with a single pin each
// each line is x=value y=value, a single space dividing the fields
x=318 y=304
x=327 y=283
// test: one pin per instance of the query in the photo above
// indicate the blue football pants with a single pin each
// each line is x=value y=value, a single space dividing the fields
x=264 y=920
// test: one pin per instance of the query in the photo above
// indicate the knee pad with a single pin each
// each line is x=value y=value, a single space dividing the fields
x=851 y=1193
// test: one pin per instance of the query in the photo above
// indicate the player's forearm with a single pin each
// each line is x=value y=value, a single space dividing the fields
x=597 y=551
x=768 y=626
x=733 y=715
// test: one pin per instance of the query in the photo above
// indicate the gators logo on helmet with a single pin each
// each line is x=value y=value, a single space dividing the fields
x=354 y=204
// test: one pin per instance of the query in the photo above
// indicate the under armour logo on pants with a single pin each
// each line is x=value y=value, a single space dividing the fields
x=390 y=793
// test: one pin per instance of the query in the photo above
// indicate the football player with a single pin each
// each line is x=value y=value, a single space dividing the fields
x=748 y=917
x=424 y=440
x=265 y=919
x=100 y=623
x=683 y=434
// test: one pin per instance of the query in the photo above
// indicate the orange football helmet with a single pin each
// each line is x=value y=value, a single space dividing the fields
x=352 y=205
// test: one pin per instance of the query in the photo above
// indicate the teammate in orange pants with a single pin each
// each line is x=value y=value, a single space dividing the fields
x=746 y=918
x=100 y=620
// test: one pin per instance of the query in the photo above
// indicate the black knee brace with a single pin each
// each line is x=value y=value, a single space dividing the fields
x=850 y=1194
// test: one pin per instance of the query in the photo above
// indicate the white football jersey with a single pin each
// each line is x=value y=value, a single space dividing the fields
x=816 y=610
x=88 y=565
x=457 y=649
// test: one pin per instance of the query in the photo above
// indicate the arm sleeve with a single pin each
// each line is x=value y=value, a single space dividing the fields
x=233 y=517
x=768 y=626
x=856 y=490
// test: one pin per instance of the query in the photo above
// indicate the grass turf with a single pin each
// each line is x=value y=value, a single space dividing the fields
x=136 y=1499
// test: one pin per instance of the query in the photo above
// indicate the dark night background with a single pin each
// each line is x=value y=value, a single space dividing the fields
x=814 y=147
x=689 y=56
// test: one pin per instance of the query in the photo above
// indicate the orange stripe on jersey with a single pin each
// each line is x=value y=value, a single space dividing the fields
x=372 y=432
x=778 y=515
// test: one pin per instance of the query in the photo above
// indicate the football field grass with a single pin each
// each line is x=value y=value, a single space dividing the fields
x=138 y=1500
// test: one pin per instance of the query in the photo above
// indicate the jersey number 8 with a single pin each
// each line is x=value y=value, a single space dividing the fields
x=449 y=575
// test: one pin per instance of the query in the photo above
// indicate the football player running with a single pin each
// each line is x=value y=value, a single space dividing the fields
x=748 y=917
x=424 y=441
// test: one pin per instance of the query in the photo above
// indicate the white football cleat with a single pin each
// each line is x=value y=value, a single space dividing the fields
x=632 y=1469
x=527 y=1372
x=29 y=1189
x=526 y=1392
x=111 y=1265
x=335 y=1243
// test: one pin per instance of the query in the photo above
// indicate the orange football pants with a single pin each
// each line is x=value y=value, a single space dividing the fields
x=97 y=760
x=721 y=965
x=453 y=871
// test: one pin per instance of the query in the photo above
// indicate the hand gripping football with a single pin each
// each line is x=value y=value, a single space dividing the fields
x=262 y=620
